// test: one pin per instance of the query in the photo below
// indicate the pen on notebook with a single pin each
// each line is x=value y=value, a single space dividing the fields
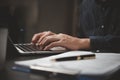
x=81 y=57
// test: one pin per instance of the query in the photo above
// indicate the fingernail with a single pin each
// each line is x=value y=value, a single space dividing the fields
x=37 y=44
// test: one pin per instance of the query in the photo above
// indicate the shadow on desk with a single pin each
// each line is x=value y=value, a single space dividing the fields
x=3 y=74
x=15 y=75
x=8 y=74
x=116 y=76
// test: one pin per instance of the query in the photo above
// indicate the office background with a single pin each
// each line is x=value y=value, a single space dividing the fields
x=27 y=17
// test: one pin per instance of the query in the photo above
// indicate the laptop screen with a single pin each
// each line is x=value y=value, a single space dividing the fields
x=3 y=43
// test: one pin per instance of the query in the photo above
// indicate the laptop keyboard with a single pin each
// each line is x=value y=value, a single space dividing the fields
x=28 y=47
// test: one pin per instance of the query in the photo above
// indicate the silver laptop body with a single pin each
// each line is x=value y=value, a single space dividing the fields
x=28 y=48
x=3 y=43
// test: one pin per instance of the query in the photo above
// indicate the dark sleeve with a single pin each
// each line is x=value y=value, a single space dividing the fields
x=109 y=43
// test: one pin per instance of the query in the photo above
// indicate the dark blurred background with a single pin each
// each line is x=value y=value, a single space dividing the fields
x=27 y=17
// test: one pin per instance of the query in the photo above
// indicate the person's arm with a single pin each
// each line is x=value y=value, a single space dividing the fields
x=66 y=41
x=109 y=43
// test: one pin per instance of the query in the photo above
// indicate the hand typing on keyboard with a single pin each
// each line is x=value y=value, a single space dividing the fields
x=50 y=40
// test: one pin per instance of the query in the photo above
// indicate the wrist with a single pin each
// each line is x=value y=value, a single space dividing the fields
x=84 y=43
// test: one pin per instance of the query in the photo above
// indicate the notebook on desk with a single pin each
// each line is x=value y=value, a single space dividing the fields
x=30 y=49
x=47 y=64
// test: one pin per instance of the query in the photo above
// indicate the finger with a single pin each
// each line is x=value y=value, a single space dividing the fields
x=36 y=37
x=53 y=44
x=48 y=40
x=48 y=33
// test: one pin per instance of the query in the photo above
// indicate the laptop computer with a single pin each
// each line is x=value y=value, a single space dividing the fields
x=30 y=49
x=3 y=43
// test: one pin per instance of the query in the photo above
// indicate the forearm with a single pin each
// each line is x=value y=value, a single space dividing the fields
x=105 y=43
